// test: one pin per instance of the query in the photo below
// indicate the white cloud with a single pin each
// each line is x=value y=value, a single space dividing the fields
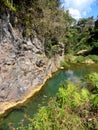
x=75 y=13
x=78 y=8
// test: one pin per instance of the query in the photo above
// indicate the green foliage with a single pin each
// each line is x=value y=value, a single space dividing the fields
x=80 y=59
x=71 y=59
x=73 y=108
x=45 y=20
x=52 y=116
x=68 y=60
x=86 y=59
x=64 y=64
x=92 y=79
x=78 y=34
x=72 y=95
x=82 y=35
x=95 y=100
x=92 y=84
x=52 y=25
x=9 y=5
x=93 y=57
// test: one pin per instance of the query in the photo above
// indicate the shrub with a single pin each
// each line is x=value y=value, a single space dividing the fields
x=92 y=82
x=93 y=57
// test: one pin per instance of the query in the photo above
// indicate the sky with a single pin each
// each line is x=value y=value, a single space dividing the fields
x=81 y=8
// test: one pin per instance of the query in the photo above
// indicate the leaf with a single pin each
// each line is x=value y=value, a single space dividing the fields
x=95 y=101
x=30 y=128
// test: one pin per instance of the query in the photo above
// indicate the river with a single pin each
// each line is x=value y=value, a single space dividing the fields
x=17 y=115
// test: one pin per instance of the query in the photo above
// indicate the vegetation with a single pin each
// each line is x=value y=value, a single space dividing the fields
x=41 y=18
x=7 y=4
x=73 y=108
x=83 y=35
x=52 y=25
x=70 y=59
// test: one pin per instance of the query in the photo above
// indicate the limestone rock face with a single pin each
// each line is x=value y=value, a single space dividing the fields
x=18 y=68
x=23 y=64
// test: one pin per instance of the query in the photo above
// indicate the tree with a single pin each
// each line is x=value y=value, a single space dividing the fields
x=96 y=23
x=42 y=18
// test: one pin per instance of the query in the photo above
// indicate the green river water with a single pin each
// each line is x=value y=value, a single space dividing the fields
x=41 y=98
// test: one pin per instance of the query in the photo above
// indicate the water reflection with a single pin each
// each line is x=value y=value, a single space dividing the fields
x=72 y=77
x=50 y=89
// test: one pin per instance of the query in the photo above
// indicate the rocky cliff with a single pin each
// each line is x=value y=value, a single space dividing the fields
x=23 y=65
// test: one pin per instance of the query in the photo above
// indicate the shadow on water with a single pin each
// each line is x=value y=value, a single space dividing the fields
x=75 y=73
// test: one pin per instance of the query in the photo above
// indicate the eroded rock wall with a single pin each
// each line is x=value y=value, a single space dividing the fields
x=23 y=64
